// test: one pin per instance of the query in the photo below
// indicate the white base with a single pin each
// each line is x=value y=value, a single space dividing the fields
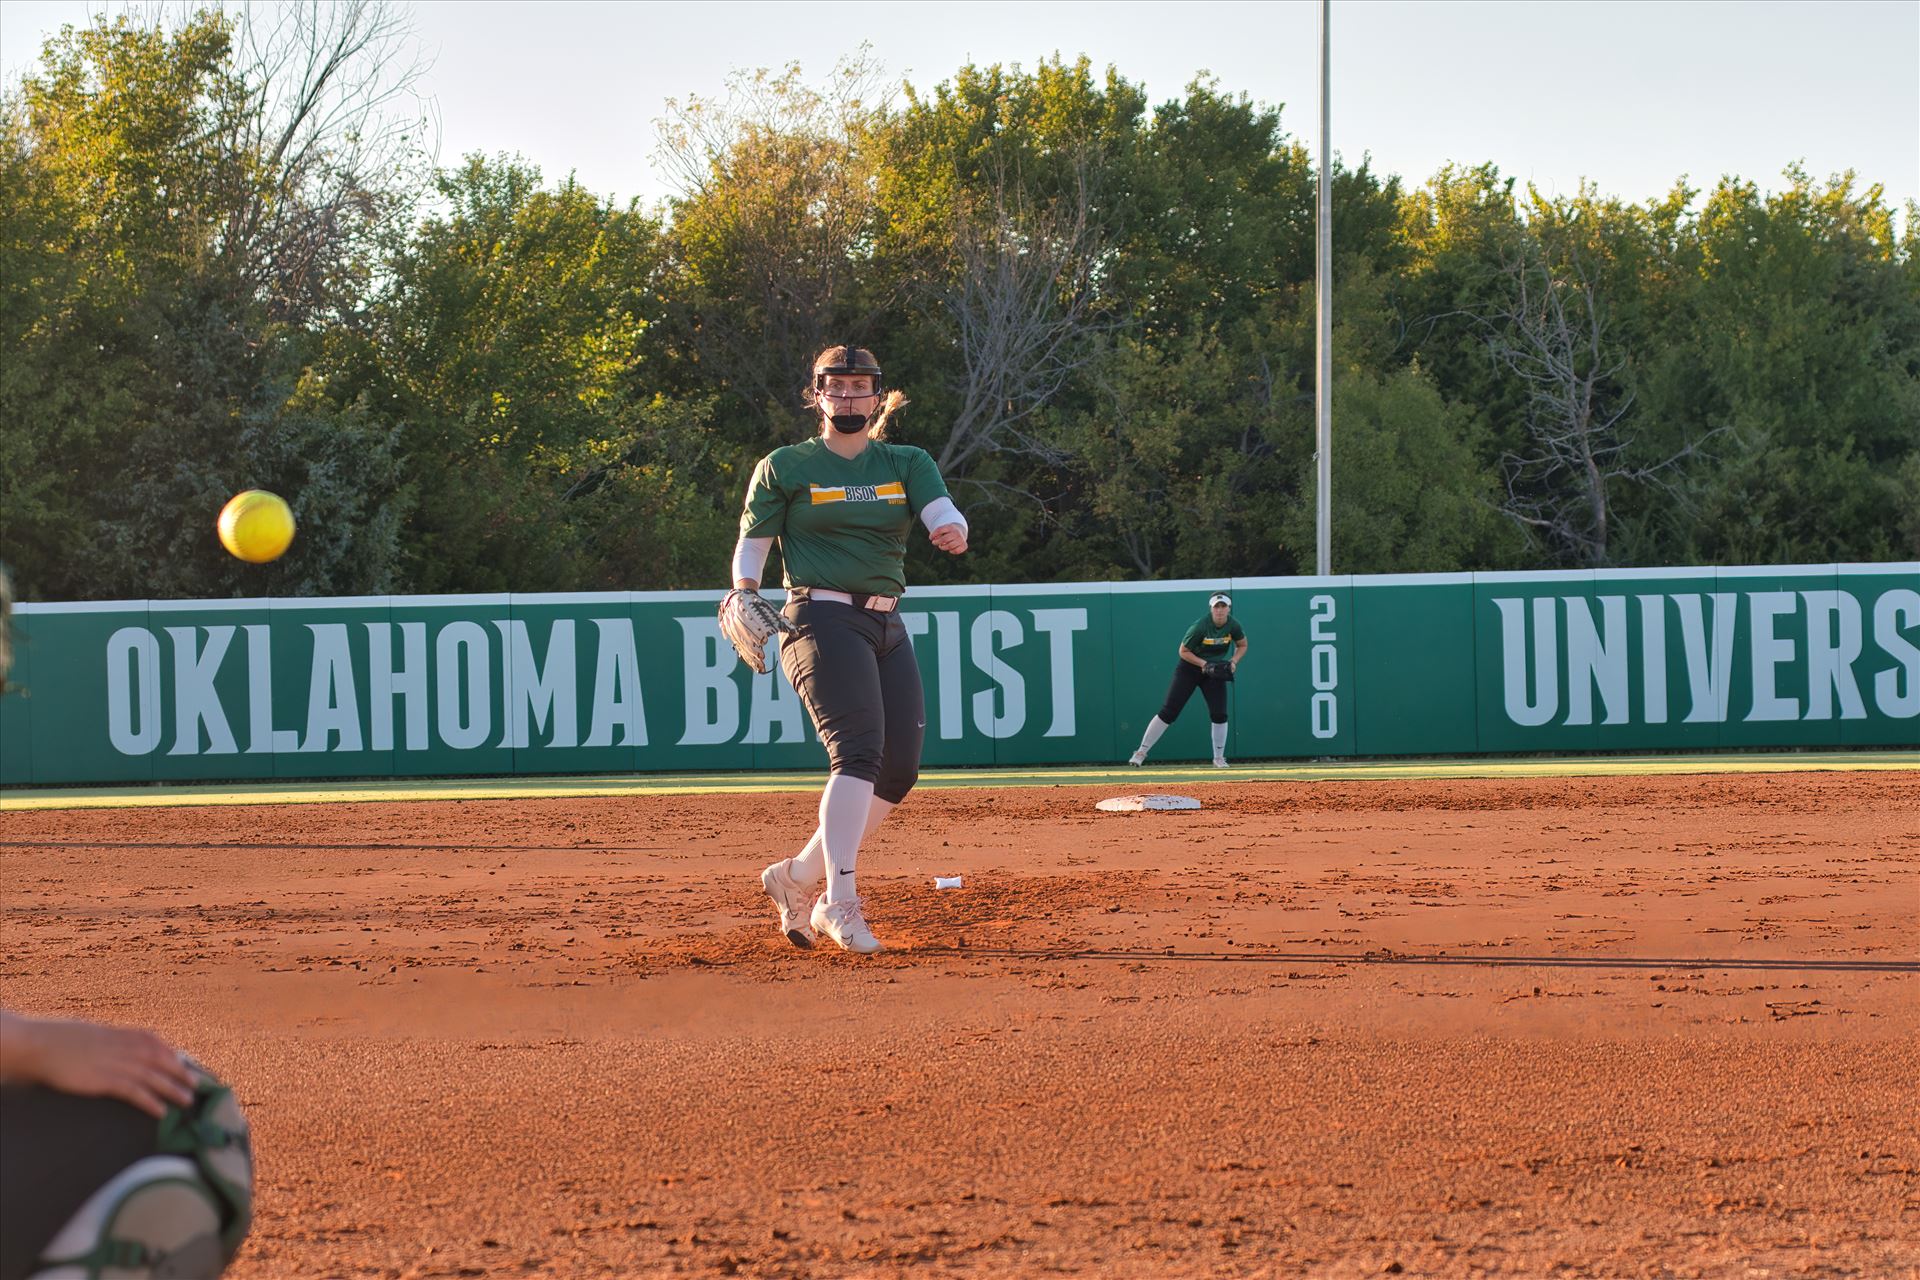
x=1135 y=804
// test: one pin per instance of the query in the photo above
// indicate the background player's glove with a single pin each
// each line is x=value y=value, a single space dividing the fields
x=1219 y=670
x=748 y=621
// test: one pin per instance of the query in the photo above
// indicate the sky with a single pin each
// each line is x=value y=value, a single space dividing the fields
x=1631 y=94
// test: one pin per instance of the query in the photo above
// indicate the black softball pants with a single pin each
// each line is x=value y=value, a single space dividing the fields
x=59 y=1150
x=1187 y=678
x=855 y=671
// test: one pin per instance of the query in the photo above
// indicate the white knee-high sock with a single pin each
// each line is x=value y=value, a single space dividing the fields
x=1155 y=727
x=810 y=864
x=843 y=823
x=876 y=814
x=1220 y=739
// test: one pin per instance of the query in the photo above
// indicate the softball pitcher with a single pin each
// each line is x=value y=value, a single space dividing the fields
x=1210 y=653
x=841 y=506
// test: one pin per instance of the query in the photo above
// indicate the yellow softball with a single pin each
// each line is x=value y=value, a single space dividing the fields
x=256 y=526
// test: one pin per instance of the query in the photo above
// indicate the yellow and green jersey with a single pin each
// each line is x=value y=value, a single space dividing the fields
x=1215 y=644
x=842 y=523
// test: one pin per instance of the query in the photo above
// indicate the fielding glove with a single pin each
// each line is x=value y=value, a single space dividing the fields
x=748 y=621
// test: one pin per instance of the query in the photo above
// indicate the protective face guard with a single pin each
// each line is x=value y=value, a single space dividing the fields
x=848 y=362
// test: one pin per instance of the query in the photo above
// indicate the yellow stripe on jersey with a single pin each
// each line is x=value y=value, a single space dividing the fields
x=894 y=492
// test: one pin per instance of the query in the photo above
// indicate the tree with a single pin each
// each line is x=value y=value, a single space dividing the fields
x=999 y=194
x=173 y=277
x=1409 y=495
x=212 y=276
x=519 y=350
x=772 y=215
x=1552 y=338
x=1023 y=309
x=1459 y=233
x=1801 y=333
x=335 y=137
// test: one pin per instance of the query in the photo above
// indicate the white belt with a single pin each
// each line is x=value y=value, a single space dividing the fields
x=879 y=604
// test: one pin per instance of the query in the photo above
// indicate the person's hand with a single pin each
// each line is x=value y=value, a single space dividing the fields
x=950 y=538
x=96 y=1061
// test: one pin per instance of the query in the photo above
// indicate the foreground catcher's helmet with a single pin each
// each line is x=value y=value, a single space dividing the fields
x=845 y=361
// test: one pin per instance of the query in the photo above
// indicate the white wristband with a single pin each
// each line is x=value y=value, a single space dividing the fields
x=750 y=559
x=940 y=513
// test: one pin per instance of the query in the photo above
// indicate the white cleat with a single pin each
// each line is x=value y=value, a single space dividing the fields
x=844 y=923
x=1138 y=757
x=1220 y=762
x=788 y=894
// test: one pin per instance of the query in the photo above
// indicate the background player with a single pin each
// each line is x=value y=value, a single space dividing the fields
x=841 y=506
x=1210 y=654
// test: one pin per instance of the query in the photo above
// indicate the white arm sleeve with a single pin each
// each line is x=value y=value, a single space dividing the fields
x=941 y=511
x=750 y=559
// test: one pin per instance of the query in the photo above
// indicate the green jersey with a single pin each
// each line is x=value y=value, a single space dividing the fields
x=842 y=523
x=1214 y=644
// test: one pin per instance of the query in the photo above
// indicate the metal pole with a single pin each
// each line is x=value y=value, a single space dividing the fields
x=1323 y=293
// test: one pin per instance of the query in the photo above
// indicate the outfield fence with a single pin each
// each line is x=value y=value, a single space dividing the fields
x=1426 y=664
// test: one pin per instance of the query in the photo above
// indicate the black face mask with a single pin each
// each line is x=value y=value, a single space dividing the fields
x=848 y=423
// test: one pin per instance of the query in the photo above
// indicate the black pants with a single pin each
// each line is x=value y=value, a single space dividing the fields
x=1187 y=678
x=854 y=669
x=57 y=1151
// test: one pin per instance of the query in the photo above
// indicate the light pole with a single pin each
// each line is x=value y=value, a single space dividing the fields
x=1323 y=294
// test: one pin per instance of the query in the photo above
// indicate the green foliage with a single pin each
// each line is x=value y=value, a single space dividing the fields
x=1102 y=308
x=514 y=349
x=153 y=371
x=768 y=237
x=1408 y=494
x=1805 y=329
x=337 y=468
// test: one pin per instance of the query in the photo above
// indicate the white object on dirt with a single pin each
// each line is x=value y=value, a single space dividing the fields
x=1134 y=804
x=946 y=882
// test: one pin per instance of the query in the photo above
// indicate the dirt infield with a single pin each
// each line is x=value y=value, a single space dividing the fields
x=1570 y=1027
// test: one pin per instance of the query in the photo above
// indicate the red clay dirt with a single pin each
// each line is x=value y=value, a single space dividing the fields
x=1605 y=1027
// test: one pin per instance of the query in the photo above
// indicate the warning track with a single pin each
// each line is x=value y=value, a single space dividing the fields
x=333 y=791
